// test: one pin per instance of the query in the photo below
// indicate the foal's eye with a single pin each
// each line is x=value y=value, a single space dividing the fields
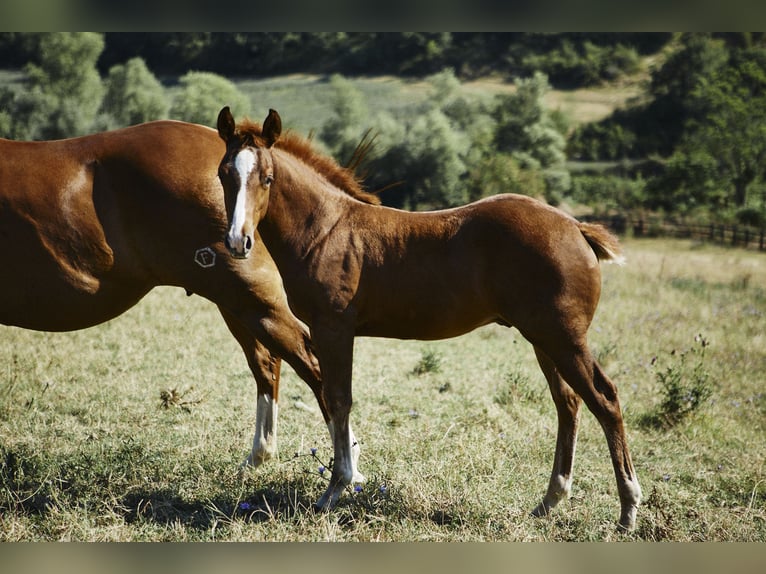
x=268 y=180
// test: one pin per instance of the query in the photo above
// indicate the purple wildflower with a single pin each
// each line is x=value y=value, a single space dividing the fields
x=244 y=506
x=321 y=470
x=313 y=452
x=358 y=488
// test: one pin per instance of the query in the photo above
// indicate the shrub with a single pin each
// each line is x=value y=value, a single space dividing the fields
x=685 y=386
x=518 y=388
x=751 y=216
x=430 y=362
x=202 y=96
x=607 y=193
x=134 y=95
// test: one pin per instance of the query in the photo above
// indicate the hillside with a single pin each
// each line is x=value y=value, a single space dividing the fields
x=304 y=114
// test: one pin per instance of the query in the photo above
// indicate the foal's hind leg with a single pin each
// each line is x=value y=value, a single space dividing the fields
x=583 y=373
x=568 y=409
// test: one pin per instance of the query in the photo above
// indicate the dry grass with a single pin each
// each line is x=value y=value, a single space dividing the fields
x=461 y=451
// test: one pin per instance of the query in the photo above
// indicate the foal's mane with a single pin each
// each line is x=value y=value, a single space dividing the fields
x=249 y=133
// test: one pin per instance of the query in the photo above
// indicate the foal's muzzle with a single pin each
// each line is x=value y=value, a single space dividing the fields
x=239 y=249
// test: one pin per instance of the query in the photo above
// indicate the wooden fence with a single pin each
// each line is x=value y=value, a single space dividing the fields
x=742 y=236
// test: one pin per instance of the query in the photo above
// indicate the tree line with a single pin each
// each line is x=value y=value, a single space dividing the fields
x=571 y=59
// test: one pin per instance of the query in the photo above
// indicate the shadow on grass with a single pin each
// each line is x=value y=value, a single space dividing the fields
x=163 y=506
x=131 y=482
x=282 y=500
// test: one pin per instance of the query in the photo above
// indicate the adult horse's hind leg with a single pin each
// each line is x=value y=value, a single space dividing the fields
x=583 y=373
x=568 y=409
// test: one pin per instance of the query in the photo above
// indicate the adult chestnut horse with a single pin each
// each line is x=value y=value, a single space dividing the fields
x=90 y=225
x=351 y=267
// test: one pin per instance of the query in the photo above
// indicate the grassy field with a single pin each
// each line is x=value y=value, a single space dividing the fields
x=396 y=95
x=457 y=436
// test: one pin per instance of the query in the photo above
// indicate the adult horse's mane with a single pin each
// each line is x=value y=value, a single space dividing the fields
x=250 y=132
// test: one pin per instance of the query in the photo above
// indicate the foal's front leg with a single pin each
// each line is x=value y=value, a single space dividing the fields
x=335 y=348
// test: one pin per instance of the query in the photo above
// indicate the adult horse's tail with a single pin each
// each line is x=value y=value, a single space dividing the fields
x=604 y=244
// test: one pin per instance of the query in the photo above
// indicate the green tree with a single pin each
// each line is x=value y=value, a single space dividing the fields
x=722 y=150
x=436 y=161
x=500 y=173
x=64 y=85
x=527 y=131
x=470 y=119
x=607 y=193
x=62 y=91
x=203 y=94
x=689 y=182
x=345 y=127
x=134 y=95
x=24 y=112
x=733 y=131
x=657 y=126
x=422 y=155
x=424 y=151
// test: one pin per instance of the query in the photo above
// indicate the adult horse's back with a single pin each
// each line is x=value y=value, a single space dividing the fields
x=89 y=225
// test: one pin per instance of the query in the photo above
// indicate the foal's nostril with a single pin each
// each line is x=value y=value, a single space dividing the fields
x=248 y=243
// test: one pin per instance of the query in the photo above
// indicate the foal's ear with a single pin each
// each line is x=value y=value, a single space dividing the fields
x=272 y=128
x=225 y=124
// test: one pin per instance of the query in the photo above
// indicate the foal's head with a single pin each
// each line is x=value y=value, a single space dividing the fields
x=246 y=173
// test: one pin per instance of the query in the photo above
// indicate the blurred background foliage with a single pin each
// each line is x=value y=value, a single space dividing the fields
x=691 y=146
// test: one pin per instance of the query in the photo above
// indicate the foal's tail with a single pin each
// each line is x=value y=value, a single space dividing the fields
x=604 y=244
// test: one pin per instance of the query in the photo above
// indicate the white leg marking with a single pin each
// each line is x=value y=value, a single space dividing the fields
x=342 y=472
x=559 y=488
x=357 y=477
x=265 y=439
x=630 y=507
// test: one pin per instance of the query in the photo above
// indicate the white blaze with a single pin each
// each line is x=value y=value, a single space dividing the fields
x=244 y=163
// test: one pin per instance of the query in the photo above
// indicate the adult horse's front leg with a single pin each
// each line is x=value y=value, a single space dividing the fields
x=335 y=347
x=266 y=370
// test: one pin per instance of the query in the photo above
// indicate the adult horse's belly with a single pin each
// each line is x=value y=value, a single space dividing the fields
x=54 y=305
x=51 y=284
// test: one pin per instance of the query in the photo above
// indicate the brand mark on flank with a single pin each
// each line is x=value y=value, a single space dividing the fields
x=205 y=257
